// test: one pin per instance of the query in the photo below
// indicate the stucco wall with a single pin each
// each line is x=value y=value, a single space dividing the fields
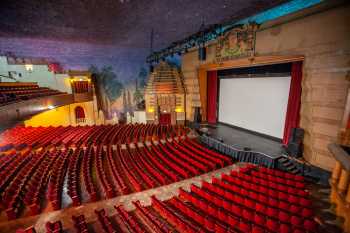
x=324 y=40
x=65 y=116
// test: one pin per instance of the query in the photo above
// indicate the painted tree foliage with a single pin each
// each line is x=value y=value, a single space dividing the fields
x=109 y=81
x=140 y=83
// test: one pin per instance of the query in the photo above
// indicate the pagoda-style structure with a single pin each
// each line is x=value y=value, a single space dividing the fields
x=165 y=96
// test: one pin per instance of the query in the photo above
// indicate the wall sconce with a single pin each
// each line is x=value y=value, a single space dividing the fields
x=179 y=110
x=29 y=67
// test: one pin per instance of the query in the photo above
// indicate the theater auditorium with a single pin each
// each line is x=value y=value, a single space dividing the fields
x=175 y=116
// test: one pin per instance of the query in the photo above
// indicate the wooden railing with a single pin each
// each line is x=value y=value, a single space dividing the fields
x=340 y=193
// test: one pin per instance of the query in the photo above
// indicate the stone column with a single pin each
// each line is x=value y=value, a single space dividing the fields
x=336 y=172
x=343 y=181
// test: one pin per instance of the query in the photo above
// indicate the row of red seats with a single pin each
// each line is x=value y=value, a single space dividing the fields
x=214 y=213
x=104 y=180
x=234 y=206
x=117 y=171
x=55 y=185
x=17 y=86
x=51 y=227
x=250 y=181
x=157 y=165
x=37 y=183
x=171 y=169
x=175 y=218
x=13 y=195
x=205 y=162
x=10 y=95
x=96 y=135
x=260 y=201
x=6 y=159
x=120 y=170
x=194 y=144
x=148 y=177
x=73 y=177
x=281 y=174
x=215 y=207
x=153 y=220
x=13 y=166
x=80 y=224
x=87 y=173
x=130 y=170
x=105 y=222
x=54 y=227
x=132 y=224
x=26 y=91
x=276 y=179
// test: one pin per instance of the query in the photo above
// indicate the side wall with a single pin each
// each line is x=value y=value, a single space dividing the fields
x=65 y=116
x=323 y=39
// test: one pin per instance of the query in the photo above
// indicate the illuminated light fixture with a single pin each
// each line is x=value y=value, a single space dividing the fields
x=50 y=107
x=179 y=110
x=164 y=111
x=29 y=67
x=80 y=79
x=151 y=110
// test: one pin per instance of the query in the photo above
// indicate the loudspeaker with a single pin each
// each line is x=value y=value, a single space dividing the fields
x=294 y=149
x=299 y=134
x=197 y=115
x=296 y=135
x=202 y=53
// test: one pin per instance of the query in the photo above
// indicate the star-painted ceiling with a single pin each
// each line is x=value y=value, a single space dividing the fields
x=78 y=33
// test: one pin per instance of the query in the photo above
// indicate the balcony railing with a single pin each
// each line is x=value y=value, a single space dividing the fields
x=340 y=183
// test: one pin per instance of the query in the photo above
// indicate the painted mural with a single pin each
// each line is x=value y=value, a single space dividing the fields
x=124 y=96
x=238 y=42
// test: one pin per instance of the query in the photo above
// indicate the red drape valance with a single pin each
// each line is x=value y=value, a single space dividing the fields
x=293 y=109
x=212 y=87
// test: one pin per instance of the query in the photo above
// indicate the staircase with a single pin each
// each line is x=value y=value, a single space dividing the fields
x=303 y=168
x=319 y=188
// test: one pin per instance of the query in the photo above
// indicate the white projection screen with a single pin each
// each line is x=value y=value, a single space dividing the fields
x=257 y=104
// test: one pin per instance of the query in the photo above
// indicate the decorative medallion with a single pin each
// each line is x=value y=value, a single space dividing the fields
x=238 y=42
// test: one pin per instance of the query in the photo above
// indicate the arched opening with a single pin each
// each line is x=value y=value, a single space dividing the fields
x=79 y=115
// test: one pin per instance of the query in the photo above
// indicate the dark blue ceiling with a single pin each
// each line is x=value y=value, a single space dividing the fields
x=78 y=33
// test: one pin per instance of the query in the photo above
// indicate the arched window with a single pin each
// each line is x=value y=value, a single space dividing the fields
x=79 y=114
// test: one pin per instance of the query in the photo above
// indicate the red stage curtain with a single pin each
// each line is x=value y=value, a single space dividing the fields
x=79 y=113
x=293 y=109
x=212 y=93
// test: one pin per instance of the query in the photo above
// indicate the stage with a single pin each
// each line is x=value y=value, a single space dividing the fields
x=243 y=145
